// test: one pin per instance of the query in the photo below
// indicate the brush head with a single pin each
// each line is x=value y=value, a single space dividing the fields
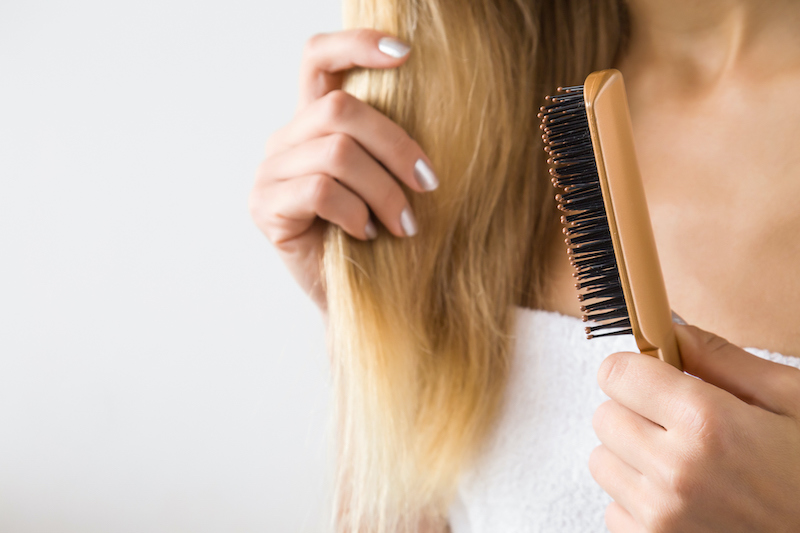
x=573 y=168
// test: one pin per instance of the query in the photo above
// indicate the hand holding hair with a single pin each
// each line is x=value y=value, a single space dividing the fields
x=337 y=160
x=683 y=455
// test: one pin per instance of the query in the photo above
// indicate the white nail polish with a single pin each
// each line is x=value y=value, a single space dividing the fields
x=393 y=47
x=370 y=230
x=425 y=176
x=408 y=222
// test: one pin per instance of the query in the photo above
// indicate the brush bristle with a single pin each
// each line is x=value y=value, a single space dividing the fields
x=574 y=172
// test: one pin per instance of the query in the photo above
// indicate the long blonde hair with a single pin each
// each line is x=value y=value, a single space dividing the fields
x=419 y=329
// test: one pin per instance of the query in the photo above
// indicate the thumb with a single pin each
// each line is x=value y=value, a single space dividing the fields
x=771 y=386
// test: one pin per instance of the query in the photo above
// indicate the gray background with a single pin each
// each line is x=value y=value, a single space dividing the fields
x=159 y=369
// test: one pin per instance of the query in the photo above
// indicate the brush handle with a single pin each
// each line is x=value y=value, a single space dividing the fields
x=628 y=217
x=668 y=353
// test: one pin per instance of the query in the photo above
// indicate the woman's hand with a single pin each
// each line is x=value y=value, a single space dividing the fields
x=684 y=455
x=337 y=160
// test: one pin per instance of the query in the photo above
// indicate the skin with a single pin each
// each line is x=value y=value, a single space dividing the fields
x=712 y=88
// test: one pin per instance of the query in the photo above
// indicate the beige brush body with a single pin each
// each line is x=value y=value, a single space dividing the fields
x=588 y=133
x=629 y=220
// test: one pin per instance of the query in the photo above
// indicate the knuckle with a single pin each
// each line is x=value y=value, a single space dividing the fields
x=710 y=434
x=711 y=343
x=608 y=516
x=336 y=105
x=401 y=145
x=392 y=198
x=601 y=414
x=261 y=214
x=664 y=516
x=272 y=235
x=593 y=460
x=787 y=383
x=704 y=421
x=612 y=369
x=258 y=201
x=263 y=171
x=339 y=151
x=364 y=35
x=273 y=144
x=322 y=190
x=680 y=480
x=596 y=462
x=312 y=44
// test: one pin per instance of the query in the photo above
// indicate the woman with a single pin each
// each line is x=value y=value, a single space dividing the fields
x=423 y=226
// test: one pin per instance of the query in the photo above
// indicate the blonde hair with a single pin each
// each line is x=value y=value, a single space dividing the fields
x=419 y=329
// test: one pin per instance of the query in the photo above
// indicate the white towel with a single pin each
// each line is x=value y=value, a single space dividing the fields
x=533 y=474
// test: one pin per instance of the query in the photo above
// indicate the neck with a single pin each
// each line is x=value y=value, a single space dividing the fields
x=699 y=44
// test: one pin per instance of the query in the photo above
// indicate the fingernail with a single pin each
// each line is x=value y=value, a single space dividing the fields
x=370 y=230
x=678 y=320
x=408 y=222
x=393 y=47
x=425 y=176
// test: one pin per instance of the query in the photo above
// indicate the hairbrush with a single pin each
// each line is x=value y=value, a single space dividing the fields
x=609 y=238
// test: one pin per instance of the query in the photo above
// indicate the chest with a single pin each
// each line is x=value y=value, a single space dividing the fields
x=723 y=189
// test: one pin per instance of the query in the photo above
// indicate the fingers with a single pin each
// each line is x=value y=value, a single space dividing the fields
x=293 y=205
x=628 y=435
x=341 y=157
x=619 y=479
x=327 y=55
x=384 y=139
x=294 y=210
x=644 y=385
x=345 y=140
x=657 y=391
x=771 y=386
